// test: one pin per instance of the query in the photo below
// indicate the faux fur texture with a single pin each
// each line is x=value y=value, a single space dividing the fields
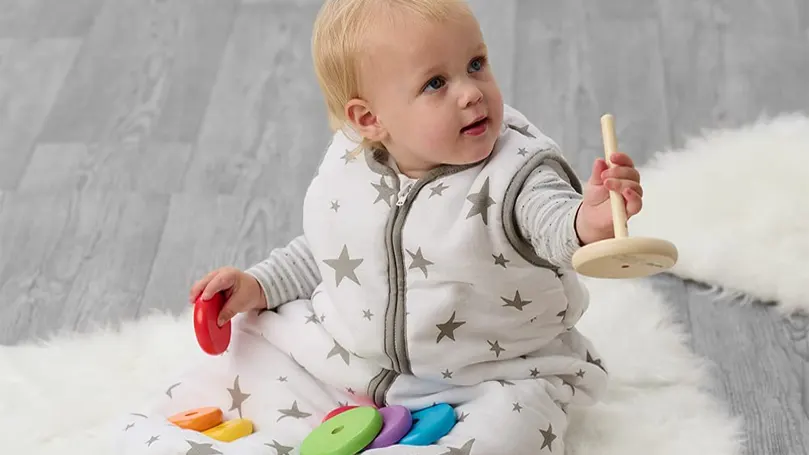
x=734 y=201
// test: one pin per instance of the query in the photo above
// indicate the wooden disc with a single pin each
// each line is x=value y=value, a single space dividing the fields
x=628 y=257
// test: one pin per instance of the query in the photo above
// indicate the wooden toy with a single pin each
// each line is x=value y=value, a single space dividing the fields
x=622 y=256
x=396 y=422
x=430 y=425
x=337 y=411
x=230 y=430
x=214 y=340
x=199 y=419
x=347 y=433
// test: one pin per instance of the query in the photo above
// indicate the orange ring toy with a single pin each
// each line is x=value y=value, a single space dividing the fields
x=200 y=419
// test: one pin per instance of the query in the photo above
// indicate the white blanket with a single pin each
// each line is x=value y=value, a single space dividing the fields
x=65 y=397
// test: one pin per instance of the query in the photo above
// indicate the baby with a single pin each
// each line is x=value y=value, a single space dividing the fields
x=434 y=265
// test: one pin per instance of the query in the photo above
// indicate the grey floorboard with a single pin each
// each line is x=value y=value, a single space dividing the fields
x=760 y=361
x=144 y=65
x=145 y=142
x=75 y=259
x=32 y=19
x=32 y=73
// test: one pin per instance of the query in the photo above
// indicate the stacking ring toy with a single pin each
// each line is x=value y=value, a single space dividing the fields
x=337 y=411
x=344 y=434
x=214 y=340
x=231 y=430
x=622 y=256
x=430 y=425
x=397 y=421
x=199 y=419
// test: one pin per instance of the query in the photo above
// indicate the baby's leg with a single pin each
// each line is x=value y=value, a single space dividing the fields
x=255 y=380
x=508 y=417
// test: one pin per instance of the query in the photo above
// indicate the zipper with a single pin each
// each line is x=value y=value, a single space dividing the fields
x=403 y=194
x=395 y=336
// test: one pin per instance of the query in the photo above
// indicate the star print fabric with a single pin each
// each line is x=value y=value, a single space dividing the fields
x=271 y=384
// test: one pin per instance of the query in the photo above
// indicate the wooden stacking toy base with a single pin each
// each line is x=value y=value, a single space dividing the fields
x=628 y=257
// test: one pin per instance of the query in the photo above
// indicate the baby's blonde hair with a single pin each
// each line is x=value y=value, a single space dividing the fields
x=338 y=45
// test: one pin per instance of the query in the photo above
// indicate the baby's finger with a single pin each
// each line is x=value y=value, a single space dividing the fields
x=197 y=288
x=622 y=185
x=634 y=202
x=621 y=159
x=597 y=177
x=621 y=172
x=222 y=281
x=235 y=305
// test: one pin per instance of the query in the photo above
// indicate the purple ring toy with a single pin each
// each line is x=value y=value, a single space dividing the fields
x=396 y=422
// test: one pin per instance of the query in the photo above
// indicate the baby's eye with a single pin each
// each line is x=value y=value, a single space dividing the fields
x=477 y=64
x=434 y=84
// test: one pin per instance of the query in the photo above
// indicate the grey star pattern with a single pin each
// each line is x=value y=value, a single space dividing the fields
x=517 y=303
x=341 y=351
x=438 y=190
x=549 y=437
x=237 y=396
x=596 y=362
x=282 y=379
x=367 y=314
x=172 y=387
x=384 y=191
x=129 y=426
x=280 y=449
x=480 y=203
x=335 y=205
x=419 y=262
x=501 y=260
x=139 y=415
x=201 y=449
x=340 y=403
x=462 y=417
x=293 y=412
x=580 y=374
x=504 y=383
x=448 y=328
x=516 y=407
x=495 y=347
x=523 y=130
x=350 y=391
x=466 y=449
x=152 y=440
x=522 y=152
x=344 y=266
x=569 y=384
x=348 y=157
x=534 y=373
x=446 y=374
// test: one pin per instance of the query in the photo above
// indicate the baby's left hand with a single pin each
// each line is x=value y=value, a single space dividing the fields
x=594 y=221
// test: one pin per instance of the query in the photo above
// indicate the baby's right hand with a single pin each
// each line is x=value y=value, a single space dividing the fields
x=242 y=292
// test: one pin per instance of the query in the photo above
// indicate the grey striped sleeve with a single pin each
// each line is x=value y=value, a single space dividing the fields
x=289 y=273
x=546 y=213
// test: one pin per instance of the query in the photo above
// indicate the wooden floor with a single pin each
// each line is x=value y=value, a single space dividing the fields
x=144 y=142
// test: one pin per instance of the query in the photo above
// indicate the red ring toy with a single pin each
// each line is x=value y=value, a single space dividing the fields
x=214 y=340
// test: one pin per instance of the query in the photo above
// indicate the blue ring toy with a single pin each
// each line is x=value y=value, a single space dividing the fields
x=430 y=425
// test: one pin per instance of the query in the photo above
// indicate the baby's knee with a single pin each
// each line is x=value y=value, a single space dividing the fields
x=517 y=418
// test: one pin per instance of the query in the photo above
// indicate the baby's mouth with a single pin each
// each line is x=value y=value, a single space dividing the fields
x=476 y=126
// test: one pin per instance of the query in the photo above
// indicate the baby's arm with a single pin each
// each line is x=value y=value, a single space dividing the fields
x=289 y=273
x=546 y=215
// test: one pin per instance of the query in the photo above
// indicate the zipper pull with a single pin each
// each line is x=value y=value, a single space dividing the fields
x=403 y=194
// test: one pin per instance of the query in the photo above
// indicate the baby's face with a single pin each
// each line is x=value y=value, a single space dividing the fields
x=432 y=90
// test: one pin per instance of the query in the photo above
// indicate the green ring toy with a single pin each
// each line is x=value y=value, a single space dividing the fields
x=344 y=434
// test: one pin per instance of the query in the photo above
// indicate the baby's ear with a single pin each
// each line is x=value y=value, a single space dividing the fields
x=364 y=121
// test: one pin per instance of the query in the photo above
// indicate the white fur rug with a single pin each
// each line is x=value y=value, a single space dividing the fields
x=732 y=202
